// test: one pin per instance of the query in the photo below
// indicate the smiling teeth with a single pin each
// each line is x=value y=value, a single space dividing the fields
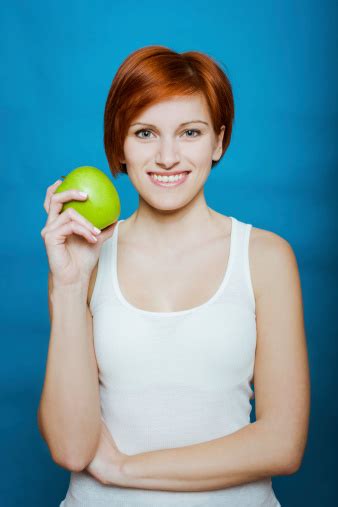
x=166 y=179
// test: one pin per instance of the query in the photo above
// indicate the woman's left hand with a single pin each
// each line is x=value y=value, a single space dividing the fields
x=108 y=460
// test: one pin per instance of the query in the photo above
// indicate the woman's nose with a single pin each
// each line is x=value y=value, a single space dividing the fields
x=167 y=154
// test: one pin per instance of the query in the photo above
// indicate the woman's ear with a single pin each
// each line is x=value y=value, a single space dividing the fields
x=219 y=145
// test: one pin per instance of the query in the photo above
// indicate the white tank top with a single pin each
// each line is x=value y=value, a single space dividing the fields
x=171 y=379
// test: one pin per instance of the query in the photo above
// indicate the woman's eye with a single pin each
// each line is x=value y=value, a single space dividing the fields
x=141 y=132
x=194 y=130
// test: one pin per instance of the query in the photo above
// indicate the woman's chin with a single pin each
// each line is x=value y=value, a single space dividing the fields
x=166 y=203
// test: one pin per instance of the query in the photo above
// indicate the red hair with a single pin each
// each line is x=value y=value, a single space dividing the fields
x=155 y=73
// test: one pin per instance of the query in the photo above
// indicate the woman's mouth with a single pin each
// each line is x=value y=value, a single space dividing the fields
x=169 y=181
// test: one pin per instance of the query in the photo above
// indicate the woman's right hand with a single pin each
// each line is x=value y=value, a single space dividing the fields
x=70 y=239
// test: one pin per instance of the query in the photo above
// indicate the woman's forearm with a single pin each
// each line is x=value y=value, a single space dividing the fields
x=69 y=410
x=251 y=453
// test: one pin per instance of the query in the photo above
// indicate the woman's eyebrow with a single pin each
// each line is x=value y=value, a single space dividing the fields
x=182 y=124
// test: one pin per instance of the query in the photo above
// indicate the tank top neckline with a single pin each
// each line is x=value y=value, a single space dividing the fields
x=178 y=313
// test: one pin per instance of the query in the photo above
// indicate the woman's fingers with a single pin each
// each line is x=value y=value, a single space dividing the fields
x=67 y=229
x=57 y=200
x=72 y=214
x=50 y=191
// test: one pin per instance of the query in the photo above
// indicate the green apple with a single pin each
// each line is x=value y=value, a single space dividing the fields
x=102 y=206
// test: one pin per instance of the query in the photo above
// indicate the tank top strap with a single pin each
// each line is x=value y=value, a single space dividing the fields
x=240 y=282
x=103 y=287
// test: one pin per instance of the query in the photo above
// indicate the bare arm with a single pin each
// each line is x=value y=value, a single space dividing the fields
x=250 y=454
x=69 y=412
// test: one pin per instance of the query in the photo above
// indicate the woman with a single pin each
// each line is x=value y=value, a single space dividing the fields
x=161 y=322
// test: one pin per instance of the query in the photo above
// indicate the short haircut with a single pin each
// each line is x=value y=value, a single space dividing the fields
x=155 y=73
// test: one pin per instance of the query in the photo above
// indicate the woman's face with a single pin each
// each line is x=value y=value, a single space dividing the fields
x=173 y=136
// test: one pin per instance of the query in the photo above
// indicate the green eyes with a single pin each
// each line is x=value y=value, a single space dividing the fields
x=196 y=131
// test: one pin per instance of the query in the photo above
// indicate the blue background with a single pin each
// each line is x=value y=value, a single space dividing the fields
x=280 y=173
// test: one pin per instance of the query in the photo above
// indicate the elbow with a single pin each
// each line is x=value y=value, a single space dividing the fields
x=293 y=466
x=292 y=463
x=75 y=461
x=72 y=460
x=70 y=466
x=71 y=463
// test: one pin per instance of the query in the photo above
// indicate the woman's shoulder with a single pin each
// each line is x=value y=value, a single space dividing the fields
x=267 y=242
x=268 y=239
x=270 y=256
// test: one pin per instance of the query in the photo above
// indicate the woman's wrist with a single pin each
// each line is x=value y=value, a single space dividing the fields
x=71 y=287
x=68 y=294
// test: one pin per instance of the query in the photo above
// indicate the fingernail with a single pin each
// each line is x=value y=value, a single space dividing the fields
x=83 y=194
